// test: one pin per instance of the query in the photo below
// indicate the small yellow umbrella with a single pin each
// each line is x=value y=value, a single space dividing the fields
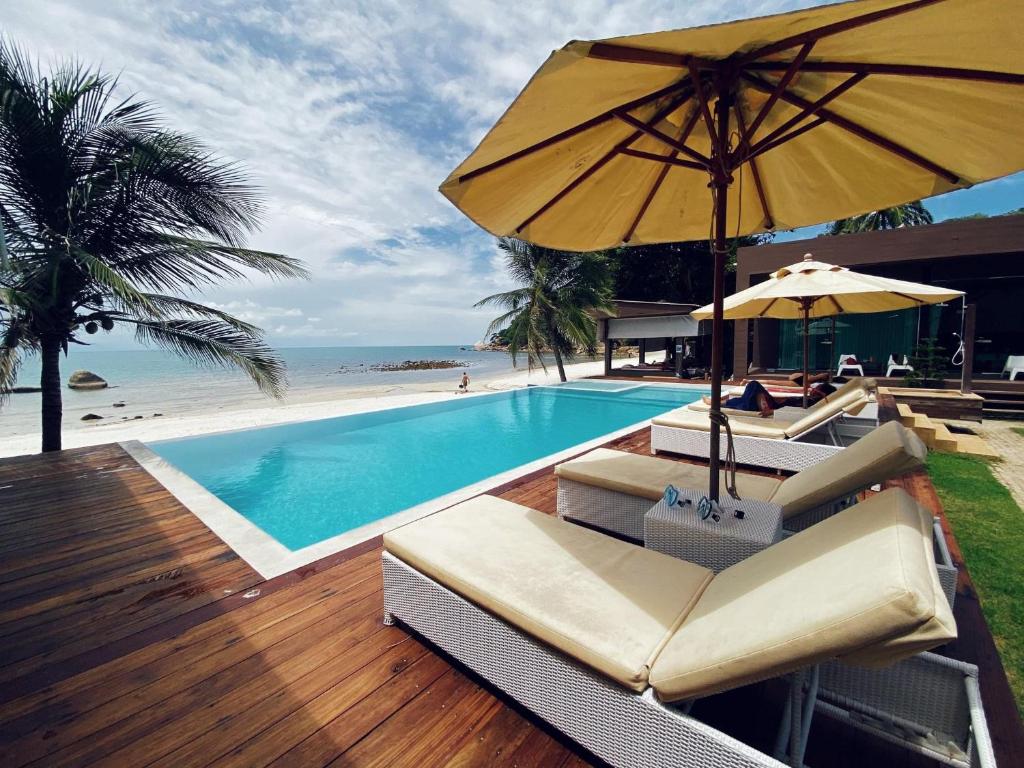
x=731 y=129
x=816 y=289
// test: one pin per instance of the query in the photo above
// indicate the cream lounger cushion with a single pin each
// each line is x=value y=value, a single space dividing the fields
x=856 y=385
x=888 y=451
x=851 y=401
x=609 y=604
x=859 y=585
x=647 y=476
x=683 y=418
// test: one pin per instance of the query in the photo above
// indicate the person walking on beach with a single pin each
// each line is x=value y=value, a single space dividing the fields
x=464 y=386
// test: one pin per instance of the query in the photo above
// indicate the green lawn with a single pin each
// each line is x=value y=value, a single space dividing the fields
x=1018 y=430
x=989 y=526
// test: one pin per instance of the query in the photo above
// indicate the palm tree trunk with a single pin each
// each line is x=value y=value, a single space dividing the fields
x=558 y=362
x=49 y=381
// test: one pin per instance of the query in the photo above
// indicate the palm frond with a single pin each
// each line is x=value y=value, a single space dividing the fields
x=214 y=342
x=163 y=306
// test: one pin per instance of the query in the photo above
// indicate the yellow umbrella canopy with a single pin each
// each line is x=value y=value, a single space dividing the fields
x=825 y=290
x=731 y=129
x=816 y=289
x=834 y=111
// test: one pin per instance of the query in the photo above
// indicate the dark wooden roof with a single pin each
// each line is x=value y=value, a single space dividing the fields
x=973 y=237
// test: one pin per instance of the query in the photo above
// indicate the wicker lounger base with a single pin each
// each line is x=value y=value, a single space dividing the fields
x=788 y=455
x=629 y=729
x=620 y=726
x=623 y=514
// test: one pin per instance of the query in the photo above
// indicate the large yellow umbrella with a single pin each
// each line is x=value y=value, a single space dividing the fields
x=816 y=289
x=738 y=128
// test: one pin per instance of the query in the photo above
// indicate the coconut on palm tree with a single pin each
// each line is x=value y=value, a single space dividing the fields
x=907 y=215
x=112 y=219
x=553 y=308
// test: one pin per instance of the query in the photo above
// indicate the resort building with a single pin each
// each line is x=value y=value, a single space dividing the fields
x=981 y=257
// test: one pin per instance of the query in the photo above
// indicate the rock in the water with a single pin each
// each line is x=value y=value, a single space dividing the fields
x=158 y=414
x=91 y=417
x=119 y=404
x=138 y=417
x=86 y=380
x=419 y=365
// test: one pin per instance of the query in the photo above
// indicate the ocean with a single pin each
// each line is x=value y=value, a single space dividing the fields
x=152 y=381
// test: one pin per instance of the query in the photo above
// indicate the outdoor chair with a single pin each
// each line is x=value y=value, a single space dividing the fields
x=1014 y=365
x=846 y=365
x=612 y=643
x=614 y=491
x=894 y=367
x=778 y=443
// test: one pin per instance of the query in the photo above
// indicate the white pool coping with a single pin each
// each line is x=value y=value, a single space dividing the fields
x=270 y=558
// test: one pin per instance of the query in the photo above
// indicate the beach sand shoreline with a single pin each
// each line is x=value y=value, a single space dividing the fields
x=307 y=405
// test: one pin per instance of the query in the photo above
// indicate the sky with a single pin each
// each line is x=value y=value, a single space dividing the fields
x=349 y=115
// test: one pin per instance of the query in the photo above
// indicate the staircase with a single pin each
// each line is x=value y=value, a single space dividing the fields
x=937 y=436
x=1002 y=403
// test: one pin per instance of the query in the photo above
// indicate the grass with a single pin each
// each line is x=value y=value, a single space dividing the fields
x=1018 y=430
x=989 y=527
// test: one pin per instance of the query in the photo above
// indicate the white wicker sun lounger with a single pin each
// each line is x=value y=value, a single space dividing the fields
x=466 y=579
x=614 y=491
x=776 y=444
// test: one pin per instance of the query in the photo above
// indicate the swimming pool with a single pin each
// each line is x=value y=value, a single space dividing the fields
x=303 y=483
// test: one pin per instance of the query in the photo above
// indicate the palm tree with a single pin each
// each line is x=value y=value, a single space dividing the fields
x=907 y=215
x=109 y=218
x=553 y=308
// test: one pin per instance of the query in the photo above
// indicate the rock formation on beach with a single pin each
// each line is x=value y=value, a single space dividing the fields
x=86 y=380
x=419 y=365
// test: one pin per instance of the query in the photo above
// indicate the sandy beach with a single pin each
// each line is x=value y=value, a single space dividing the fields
x=299 y=406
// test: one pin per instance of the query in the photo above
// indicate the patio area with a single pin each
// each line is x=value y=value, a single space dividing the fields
x=134 y=636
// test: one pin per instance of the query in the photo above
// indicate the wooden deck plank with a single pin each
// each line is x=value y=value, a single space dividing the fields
x=342 y=728
x=119 y=697
x=256 y=626
x=190 y=671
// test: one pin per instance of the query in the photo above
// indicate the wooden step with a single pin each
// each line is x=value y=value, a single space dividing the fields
x=1004 y=413
x=944 y=439
x=976 y=446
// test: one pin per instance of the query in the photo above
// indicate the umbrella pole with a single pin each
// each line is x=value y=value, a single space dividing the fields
x=720 y=183
x=807 y=370
x=717 y=330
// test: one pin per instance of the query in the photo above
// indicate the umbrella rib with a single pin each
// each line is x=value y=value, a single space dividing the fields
x=906 y=70
x=832 y=29
x=628 y=54
x=782 y=85
x=909 y=298
x=762 y=148
x=668 y=160
x=570 y=132
x=744 y=136
x=664 y=138
x=864 y=133
x=687 y=128
x=764 y=311
x=705 y=110
x=838 y=306
x=777 y=136
x=661 y=114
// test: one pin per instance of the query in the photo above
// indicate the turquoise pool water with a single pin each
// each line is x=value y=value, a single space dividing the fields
x=303 y=483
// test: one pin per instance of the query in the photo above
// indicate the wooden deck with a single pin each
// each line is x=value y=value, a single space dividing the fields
x=131 y=635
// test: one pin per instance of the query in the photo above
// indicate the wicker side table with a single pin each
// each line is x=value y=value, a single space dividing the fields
x=679 y=531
